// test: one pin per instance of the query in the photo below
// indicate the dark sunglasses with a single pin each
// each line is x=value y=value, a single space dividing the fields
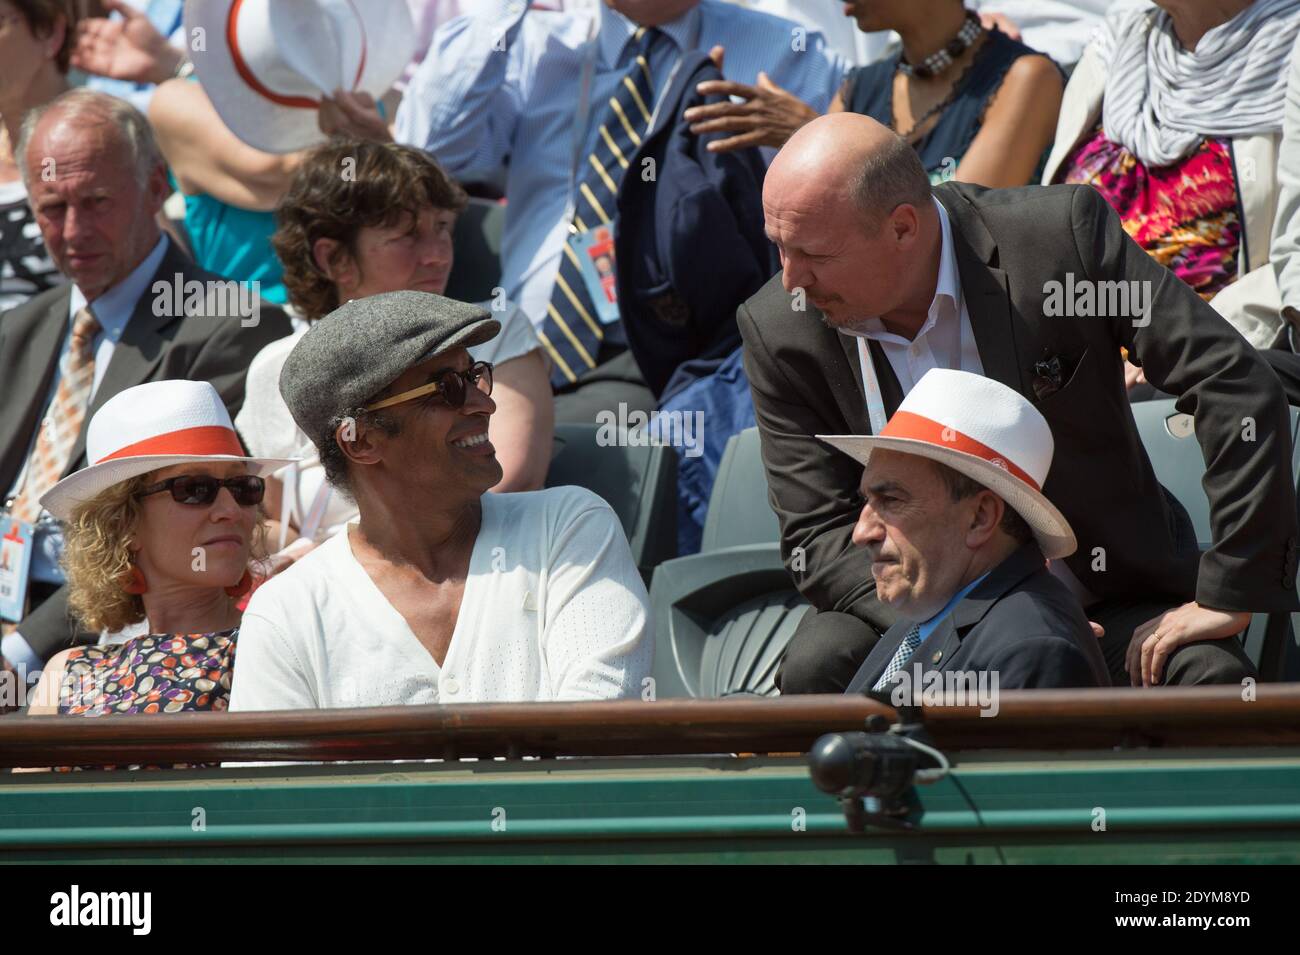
x=451 y=387
x=199 y=490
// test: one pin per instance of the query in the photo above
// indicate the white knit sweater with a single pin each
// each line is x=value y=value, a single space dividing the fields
x=553 y=609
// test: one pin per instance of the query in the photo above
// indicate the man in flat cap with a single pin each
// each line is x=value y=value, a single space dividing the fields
x=441 y=592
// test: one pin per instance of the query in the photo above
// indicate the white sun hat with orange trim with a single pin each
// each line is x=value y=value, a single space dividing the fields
x=265 y=64
x=985 y=430
x=148 y=427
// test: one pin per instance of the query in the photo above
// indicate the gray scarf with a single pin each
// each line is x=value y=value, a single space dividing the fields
x=1162 y=100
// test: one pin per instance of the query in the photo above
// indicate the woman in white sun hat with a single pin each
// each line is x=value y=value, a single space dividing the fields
x=270 y=78
x=158 y=528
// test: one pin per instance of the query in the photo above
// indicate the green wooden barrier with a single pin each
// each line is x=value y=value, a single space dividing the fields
x=1156 y=798
x=1210 y=809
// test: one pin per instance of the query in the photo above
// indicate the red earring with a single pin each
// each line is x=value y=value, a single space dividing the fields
x=244 y=586
x=135 y=583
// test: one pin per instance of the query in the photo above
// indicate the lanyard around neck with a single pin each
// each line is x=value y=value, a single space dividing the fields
x=871 y=383
x=581 y=112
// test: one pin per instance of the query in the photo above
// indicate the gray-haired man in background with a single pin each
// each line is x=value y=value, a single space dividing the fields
x=96 y=183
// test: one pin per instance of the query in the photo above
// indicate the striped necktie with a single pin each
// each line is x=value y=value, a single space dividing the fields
x=572 y=333
x=901 y=656
x=63 y=420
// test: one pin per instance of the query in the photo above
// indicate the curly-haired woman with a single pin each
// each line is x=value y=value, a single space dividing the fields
x=159 y=529
x=361 y=218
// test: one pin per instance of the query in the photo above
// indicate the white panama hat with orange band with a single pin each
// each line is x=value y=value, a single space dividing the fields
x=265 y=64
x=985 y=430
x=149 y=427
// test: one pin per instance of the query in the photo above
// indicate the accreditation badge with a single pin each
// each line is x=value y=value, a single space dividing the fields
x=15 y=566
x=595 y=252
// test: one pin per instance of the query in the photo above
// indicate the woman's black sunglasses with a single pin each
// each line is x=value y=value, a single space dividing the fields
x=199 y=490
x=451 y=387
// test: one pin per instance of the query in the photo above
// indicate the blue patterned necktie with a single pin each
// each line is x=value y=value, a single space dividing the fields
x=901 y=656
x=572 y=333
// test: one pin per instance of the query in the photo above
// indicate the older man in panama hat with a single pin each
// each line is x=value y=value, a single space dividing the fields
x=441 y=592
x=958 y=534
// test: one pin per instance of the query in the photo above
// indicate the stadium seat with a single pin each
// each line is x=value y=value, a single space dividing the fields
x=722 y=622
x=1175 y=454
x=639 y=482
x=1170 y=442
x=739 y=512
x=724 y=616
x=476 y=240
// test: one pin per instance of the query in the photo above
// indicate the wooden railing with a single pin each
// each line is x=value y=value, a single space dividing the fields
x=1026 y=719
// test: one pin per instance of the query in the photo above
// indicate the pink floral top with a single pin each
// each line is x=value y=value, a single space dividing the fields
x=1184 y=215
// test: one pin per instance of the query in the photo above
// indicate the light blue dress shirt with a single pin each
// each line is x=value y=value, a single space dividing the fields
x=930 y=625
x=499 y=99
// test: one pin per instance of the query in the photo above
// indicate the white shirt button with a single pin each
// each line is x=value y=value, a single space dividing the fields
x=916 y=351
x=451 y=685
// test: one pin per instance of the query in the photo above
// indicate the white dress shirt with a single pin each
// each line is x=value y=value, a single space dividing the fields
x=944 y=341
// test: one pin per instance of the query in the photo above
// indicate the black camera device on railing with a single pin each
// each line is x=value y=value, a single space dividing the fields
x=873 y=773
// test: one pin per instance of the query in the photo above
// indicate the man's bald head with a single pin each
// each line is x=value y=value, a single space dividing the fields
x=847 y=204
x=849 y=157
x=110 y=119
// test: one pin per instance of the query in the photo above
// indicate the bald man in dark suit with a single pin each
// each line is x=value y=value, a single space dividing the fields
x=884 y=278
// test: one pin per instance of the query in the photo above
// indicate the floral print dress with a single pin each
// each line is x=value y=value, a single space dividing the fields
x=157 y=673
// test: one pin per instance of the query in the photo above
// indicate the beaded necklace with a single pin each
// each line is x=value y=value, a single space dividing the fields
x=936 y=63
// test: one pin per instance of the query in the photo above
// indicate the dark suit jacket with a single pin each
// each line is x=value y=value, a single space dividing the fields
x=1010 y=243
x=690 y=244
x=1020 y=622
x=152 y=348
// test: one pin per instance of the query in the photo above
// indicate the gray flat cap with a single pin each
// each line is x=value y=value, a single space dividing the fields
x=360 y=348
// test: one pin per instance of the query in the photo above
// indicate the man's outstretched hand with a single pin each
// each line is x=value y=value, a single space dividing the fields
x=126 y=49
x=768 y=117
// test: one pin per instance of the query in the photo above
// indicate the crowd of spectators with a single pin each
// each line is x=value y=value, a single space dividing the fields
x=253 y=457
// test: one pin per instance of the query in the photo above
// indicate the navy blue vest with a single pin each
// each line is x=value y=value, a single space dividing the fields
x=869 y=91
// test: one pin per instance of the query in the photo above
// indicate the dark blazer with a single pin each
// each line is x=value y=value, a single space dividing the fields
x=152 y=348
x=1134 y=539
x=1020 y=622
x=690 y=244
